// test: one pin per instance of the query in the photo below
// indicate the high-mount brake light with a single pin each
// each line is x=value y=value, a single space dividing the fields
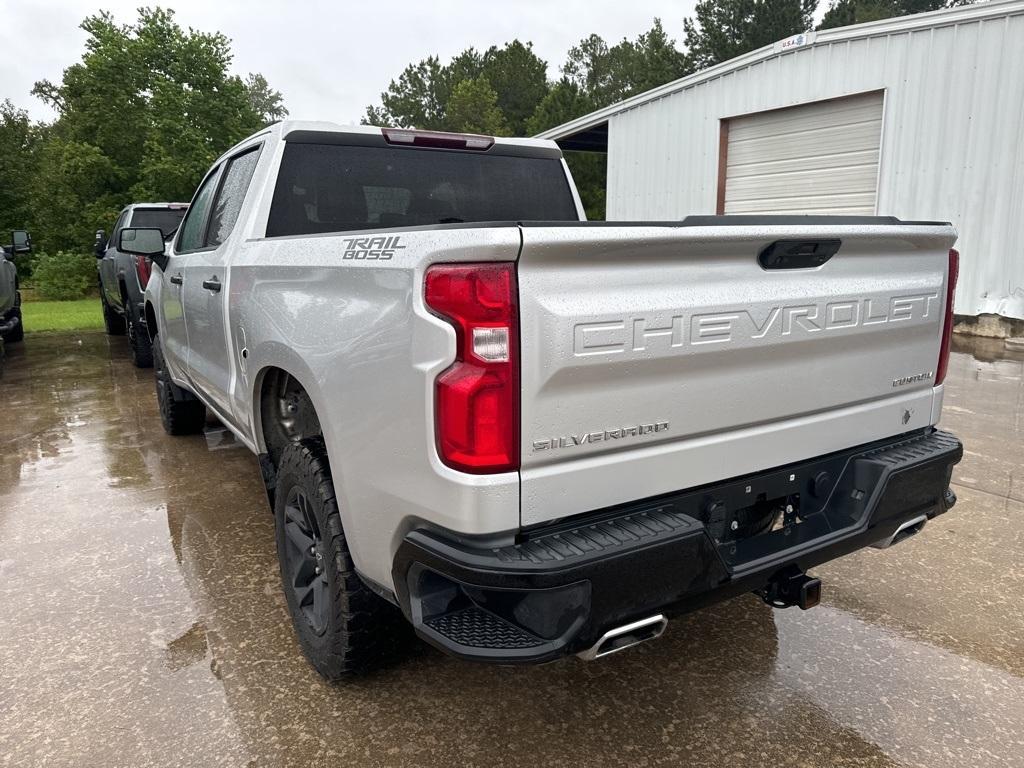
x=947 y=326
x=477 y=397
x=437 y=139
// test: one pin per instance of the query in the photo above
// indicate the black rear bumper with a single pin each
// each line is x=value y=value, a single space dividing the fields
x=562 y=586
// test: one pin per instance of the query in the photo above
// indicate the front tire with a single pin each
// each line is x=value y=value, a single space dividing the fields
x=140 y=345
x=181 y=412
x=344 y=628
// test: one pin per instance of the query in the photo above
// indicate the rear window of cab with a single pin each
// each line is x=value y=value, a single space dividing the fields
x=336 y=188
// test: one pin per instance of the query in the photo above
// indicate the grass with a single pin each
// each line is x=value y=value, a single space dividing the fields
x=79 y=315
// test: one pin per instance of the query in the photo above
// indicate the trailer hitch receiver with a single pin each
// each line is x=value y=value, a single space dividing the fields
x=792 y=587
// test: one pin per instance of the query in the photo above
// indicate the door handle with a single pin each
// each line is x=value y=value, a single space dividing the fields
x=213 y=284
x=176 y=279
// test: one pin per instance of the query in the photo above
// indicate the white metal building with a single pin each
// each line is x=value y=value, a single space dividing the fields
x=920 y=117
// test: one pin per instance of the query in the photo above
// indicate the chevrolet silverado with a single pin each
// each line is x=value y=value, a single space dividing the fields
x=523 y=435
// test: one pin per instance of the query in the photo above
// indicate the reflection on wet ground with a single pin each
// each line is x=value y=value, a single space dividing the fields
x=142 y=621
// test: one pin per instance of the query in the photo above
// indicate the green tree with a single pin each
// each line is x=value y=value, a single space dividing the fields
x=846 y=12
x=72 y=195
x=141 y=116
x=652 y=60
x=565 y=101
x=842 y=13
x=267 y=103
x=724 y=29
x=19 y=161
x=596 y=75
x=608 y=74
x=421 y=96
x=519 y=79
x=417 y=99
x=473 y=108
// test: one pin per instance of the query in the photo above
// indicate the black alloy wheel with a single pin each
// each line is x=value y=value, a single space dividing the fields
x=305 y=561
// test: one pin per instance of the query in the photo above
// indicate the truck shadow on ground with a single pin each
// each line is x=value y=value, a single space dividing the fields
x=704 y=691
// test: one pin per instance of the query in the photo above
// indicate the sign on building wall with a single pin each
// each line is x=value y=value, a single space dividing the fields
x=796 y=41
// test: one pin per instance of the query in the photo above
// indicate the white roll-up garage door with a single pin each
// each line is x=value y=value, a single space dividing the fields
x=815 y=158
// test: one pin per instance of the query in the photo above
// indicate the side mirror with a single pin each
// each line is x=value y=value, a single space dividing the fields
x=100 y=244
x=148 y=242
x=22 y=241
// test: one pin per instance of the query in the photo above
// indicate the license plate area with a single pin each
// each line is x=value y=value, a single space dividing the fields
x=761 y=516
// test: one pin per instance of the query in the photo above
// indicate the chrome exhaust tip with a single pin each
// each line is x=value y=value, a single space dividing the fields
x=905 y=531
x=626 y=636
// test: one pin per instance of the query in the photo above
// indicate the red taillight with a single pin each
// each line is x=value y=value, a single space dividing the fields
x=477 y=397
x=947 y=327
x=437 y=139
x=143 y=267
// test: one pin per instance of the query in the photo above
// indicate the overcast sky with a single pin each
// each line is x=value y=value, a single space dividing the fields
x=329 y=59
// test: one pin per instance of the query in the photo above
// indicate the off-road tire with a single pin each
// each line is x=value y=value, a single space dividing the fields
x=140 y=345
x=181 y=412
x=113 y=322
x=362 y=631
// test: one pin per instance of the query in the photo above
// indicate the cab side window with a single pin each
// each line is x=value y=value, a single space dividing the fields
x=115 y=233
x=231 y=195
x=191 y=237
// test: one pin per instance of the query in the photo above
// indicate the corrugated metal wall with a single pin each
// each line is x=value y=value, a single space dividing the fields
x=952 y=138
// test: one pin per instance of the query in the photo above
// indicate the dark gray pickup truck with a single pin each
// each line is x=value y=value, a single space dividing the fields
x=123 y=277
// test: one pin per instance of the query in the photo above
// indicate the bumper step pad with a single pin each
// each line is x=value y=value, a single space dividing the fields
x=596 y=537
x=475 y=627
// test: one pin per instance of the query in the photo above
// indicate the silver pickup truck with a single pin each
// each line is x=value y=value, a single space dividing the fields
x=524 y=435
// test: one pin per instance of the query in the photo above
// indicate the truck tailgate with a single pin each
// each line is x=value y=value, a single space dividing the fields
x=662 y=357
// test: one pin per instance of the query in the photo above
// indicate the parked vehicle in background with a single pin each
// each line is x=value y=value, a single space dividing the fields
x=526 y=435
x=123 y=276
x=11 y=328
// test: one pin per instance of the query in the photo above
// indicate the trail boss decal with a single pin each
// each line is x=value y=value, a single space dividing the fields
x=372 y=248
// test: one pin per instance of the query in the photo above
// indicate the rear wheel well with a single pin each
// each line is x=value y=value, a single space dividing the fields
x=286 y=414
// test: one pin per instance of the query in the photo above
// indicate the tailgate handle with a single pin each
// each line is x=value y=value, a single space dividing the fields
x=797 y=254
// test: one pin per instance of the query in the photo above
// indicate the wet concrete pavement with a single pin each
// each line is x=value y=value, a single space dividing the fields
x=142 y=622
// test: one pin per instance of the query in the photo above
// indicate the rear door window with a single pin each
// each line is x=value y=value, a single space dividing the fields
x=335 y=188
x=231 y=196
